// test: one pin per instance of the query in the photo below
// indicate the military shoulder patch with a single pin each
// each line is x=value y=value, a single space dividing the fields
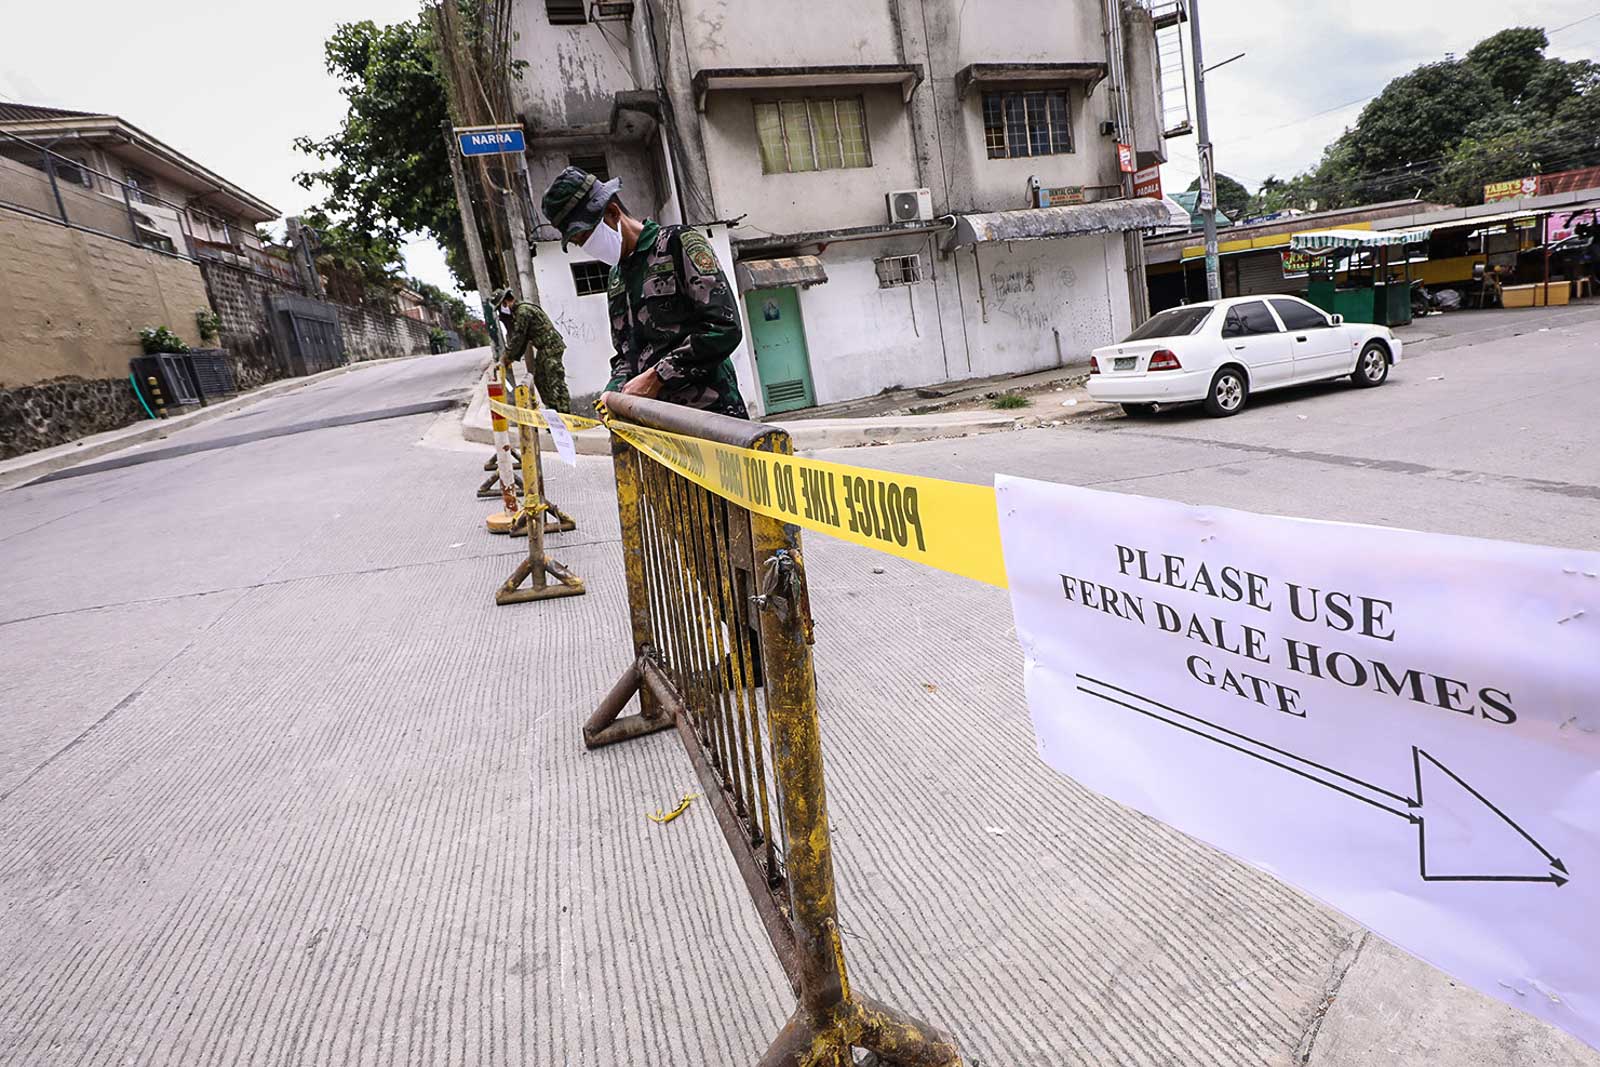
x=697 y=250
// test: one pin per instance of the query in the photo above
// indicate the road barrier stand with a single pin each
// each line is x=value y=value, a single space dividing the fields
x=722 y=631
x=507 y=482
x=490 y=487
x=537 y=568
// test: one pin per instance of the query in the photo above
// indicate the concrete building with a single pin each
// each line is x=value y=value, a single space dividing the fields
x=871 y=172
x=173 y=198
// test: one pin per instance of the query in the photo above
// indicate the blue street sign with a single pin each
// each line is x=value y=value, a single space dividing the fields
x=491 y=140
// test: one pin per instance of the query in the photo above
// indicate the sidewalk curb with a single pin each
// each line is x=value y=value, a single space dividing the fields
x=812 y=434
x=20 y=470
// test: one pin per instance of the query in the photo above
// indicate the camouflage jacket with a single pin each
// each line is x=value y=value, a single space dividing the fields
x=530 y=325
x=673 y=309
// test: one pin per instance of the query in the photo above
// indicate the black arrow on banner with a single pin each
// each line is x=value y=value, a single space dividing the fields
x=1453 y=803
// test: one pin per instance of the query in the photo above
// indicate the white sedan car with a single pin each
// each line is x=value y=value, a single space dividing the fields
x=1224 y=350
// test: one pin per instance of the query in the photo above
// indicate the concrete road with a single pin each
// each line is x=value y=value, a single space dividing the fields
x=1488 y=429
x=280 y=785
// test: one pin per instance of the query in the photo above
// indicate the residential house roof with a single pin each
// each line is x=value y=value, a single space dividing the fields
x=59 y=126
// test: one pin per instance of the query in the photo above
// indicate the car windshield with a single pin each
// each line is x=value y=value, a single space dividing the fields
x=1174 y=322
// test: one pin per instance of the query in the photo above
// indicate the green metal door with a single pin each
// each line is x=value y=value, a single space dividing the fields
x=780 y=348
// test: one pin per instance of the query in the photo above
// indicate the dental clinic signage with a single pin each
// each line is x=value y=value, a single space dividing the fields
x=490 y=140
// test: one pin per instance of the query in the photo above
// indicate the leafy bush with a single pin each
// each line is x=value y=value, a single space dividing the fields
x=209 y=324
x=1011 y=400
x=160 y=339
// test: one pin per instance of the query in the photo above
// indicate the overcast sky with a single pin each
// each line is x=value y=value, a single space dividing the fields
x=232 y=84
x=1310 y=65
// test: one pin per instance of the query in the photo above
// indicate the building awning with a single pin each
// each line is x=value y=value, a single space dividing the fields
x=906 y=75
x=1044 y=223
x=779 y=273
x=1032 y=75
x=1322 y=240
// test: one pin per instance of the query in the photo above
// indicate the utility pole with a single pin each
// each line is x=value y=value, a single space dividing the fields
x=469 y=226
x=1122 y=112
x=1208 y=171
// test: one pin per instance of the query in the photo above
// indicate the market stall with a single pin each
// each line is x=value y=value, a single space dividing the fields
x=1364 y=275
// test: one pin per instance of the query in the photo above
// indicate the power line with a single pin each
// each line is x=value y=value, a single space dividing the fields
x=1573 y=23
x=1369 y=96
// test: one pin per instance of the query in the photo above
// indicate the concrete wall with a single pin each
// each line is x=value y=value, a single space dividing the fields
x=1013 y=306
x=55 y=412
x=72 y=303
x=374 y=333
x=862 y=339
x=811 y=200
x=1021 y=301
x=733 y=33
x=239 y=296
x=573 y=72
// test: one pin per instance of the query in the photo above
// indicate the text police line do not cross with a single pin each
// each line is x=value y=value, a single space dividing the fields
x=1405 y=725
x=948 y=525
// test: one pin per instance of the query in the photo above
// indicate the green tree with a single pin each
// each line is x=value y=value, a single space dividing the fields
x=1232 y=198
x=1510 y=59
x=1406 y=131
x=385 y=167
x=1446 y=129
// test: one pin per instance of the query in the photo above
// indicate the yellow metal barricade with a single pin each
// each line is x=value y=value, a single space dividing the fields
x=721 y=629
x=536 y=518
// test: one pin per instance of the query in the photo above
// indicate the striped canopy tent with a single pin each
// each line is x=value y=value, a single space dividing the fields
x=1323 y=240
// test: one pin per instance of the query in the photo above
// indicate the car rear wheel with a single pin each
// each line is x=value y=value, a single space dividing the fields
x=1372 y=366
x=1138 y=411
x=1229 y=391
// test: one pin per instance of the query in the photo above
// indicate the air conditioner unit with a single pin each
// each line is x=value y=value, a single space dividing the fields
x=910 y=205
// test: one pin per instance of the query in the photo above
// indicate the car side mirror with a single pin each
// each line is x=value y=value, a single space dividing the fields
x=1337 y=320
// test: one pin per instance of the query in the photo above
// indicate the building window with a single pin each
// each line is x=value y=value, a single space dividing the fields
x=590 y=278
x=820 y=134
x=898 y=270
x=567 y=12
x=1022 y=124
x=67 y=170
x=595 y=164
x=141 y=187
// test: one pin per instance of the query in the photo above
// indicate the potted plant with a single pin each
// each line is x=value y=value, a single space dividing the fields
x=156 y=339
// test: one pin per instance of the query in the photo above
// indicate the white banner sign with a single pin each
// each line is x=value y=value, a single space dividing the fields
x=566 y=448
x=1406 y=725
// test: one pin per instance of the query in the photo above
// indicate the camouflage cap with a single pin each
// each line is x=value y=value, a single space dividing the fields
x=499 y=297
x=576 y=200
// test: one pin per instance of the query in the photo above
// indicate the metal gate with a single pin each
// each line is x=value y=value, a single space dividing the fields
x=305 y=333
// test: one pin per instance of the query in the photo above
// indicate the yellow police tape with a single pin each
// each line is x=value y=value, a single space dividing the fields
x=951 y=526
x=534 y=417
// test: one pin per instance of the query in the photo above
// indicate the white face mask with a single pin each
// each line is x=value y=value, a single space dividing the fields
x=605 y=244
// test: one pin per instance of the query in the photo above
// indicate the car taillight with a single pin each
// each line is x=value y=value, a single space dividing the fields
x=1094 y=365
x=1164 y=359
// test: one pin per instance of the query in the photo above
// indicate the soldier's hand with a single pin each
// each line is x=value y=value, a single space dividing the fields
x=646 y=383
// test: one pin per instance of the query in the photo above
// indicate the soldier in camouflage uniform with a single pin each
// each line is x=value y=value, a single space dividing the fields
x=674 y=318
x=526 y=324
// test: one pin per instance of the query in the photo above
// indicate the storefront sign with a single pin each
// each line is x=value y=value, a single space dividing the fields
x=1060 y=195
x=1510 y=190
x=1147 y=182
x=1125 y=158
x=1297 y=263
